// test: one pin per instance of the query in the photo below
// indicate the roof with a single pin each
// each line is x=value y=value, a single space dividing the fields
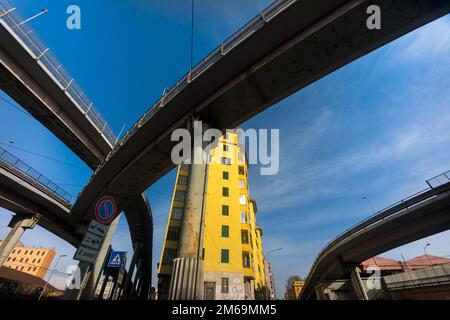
x=426 y=260
x=22 y=277
x=382 y=263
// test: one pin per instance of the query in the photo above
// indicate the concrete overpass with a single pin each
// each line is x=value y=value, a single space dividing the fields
x=419 y=216
x=32 y=75
x=24 y=190
x=32 y=196
x=288 y=46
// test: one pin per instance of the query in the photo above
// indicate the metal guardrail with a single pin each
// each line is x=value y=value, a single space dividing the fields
x=214 y=56
x=381 y=215
x=439 y=180
x=17 y=166
x=13 y=21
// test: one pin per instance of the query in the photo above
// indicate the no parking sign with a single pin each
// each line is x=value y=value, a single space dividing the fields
x=105 y=209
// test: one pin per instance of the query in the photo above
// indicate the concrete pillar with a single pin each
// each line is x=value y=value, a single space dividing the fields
x=357 y=284
x=127 y=287
x=187 y=274
x=320 y=294
x=102 y=290
x=19 y=223
x=90 y=273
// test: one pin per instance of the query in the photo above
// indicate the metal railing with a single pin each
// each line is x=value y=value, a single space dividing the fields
x=439 y=180
x=24 y=171
x=381 y=215
x=12 y=20
x=213 y=57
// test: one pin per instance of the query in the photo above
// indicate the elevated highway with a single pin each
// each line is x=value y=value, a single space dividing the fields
x=24 y=190
x=416 y=217
x=288 y=46
x=32 y=75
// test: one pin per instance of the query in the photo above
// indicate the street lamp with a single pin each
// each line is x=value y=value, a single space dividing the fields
x=50 y=276
x=43 y=11
x=370 y=204
x=264 y=261
x=426 y=253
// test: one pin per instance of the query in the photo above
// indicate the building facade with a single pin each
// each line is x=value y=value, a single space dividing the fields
x=34 y=261
x=270 y=281
x=231 y=239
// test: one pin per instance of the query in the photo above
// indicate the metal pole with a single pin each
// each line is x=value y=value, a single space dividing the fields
x=264 y=260
x=370 y=204
x=43 y=11
x=50 y=276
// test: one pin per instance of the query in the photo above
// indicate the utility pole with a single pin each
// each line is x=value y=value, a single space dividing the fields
x=50 y=276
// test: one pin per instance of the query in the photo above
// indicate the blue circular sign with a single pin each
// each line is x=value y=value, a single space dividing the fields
x=105 y=210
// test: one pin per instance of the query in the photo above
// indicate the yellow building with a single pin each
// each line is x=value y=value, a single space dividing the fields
x=232 y=244
x=297 y=287
x=34 y=261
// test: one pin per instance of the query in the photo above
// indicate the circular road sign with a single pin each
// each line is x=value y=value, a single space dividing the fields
x=105 y=209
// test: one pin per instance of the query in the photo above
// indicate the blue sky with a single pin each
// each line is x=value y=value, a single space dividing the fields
x=378 y=127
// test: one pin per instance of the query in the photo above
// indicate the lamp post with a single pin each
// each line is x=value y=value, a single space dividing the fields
x=426 y=253
x=50 y=276
x=370 y=204
x=264 y=261
x=43 y=11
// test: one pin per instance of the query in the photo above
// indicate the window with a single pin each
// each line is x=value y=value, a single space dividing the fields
x=225 y=147
x=225 y=175
x=177 y=213
x=246 y=259
x=243 y=217
x=26 y=251
x=169 y=255
x=225 y=285
x=225 y=256
x=241 y=184
x=43 y=252
x=29 y=268
x=182 y=180
x=243 y=199
x=244 y=236
x=225 y=191
x=180 y=195
x=226 y=161
x=34 y=260
x=173 y=233
x=225 y=231
x=241 y=170
x=225 y=210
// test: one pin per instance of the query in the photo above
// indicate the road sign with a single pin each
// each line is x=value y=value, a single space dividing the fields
x=85 y=254
x=105 y=209
x=116 y=259
x=92 y=241
x=98 y=228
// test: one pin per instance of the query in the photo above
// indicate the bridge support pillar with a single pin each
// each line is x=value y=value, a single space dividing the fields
x=187 y=275
x=319 y=292
x=90 y=274
x=19 y=223
x=357 y=284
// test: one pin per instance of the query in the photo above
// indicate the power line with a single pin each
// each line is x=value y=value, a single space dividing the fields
x=43 y=156
x=16 y=107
